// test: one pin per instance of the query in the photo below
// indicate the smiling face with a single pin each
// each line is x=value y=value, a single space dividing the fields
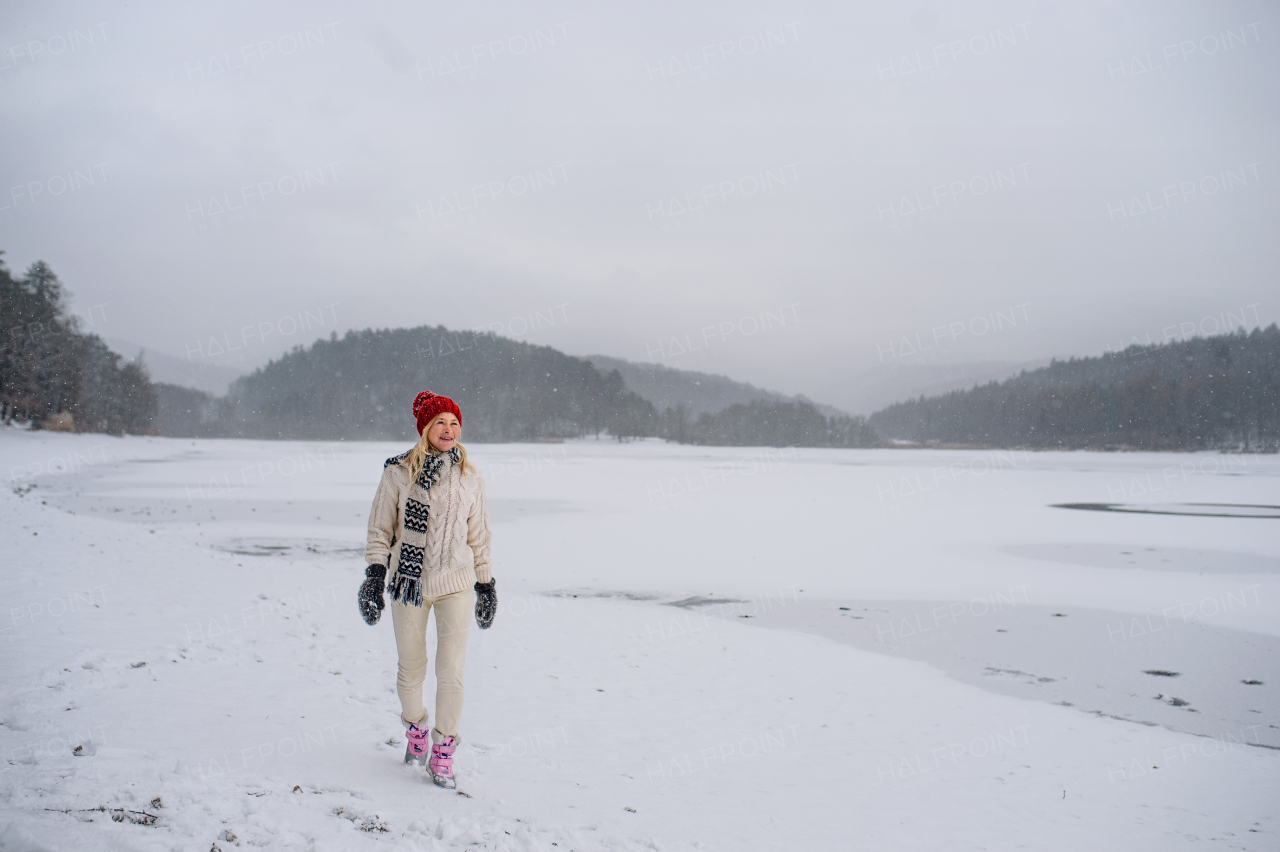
x=443 y=432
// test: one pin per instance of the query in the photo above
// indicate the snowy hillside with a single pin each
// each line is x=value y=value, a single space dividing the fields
x=697 y=648
x=667 y=387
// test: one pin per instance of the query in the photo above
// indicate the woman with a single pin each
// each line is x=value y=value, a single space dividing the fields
x=430 y=527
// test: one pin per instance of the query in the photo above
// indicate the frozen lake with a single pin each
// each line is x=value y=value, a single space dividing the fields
x=698 y=648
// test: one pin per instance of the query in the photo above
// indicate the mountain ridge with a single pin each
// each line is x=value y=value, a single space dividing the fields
x=668 y=387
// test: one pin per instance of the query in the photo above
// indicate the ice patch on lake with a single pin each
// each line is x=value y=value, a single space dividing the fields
x=1145 y=558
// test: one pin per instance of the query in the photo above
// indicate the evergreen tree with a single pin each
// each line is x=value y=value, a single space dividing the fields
x=48 y=367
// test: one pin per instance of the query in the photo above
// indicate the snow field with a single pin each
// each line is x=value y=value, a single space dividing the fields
x=265 y=705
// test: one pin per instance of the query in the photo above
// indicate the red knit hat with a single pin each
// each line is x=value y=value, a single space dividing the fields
x=427 y=405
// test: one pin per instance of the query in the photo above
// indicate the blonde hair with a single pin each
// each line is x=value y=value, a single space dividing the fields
x=418 y=455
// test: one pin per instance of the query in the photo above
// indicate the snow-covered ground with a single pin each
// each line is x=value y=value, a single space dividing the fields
x=697 y=649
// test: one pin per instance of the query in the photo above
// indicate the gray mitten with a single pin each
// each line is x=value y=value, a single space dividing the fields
x=486 y=603
x=370 y=594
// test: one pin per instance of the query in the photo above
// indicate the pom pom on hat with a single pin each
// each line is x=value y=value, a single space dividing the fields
x=427 y=405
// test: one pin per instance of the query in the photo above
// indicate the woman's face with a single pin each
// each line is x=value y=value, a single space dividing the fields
x=444 y=432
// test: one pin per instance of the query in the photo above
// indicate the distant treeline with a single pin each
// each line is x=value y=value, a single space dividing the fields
x=766 y=423
x=360 y=386
x=1220 y=392
x=53 y=375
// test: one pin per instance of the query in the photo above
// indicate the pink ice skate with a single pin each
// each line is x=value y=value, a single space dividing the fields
x=417 y=747
x=441 y=763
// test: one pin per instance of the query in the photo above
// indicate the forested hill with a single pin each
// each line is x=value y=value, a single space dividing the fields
x=361 y=386
x=1215 y=392
x=699 y=393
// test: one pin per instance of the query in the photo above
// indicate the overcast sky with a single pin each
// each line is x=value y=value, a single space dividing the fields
x=787 y=193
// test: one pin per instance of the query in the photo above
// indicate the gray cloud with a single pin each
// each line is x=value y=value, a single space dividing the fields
x=877 y=172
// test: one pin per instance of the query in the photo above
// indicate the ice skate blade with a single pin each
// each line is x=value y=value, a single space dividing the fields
x=410 y=757
x=446 y=783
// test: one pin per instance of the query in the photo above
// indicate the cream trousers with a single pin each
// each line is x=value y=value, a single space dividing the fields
x=453 y=621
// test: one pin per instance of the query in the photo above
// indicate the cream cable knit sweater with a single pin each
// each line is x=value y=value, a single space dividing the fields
x=457 y=551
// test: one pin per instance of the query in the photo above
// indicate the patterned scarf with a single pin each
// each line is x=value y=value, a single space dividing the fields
x=406 y=586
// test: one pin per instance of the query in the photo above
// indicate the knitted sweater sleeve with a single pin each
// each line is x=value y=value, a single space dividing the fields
x=383 y=519
x=479 y=535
